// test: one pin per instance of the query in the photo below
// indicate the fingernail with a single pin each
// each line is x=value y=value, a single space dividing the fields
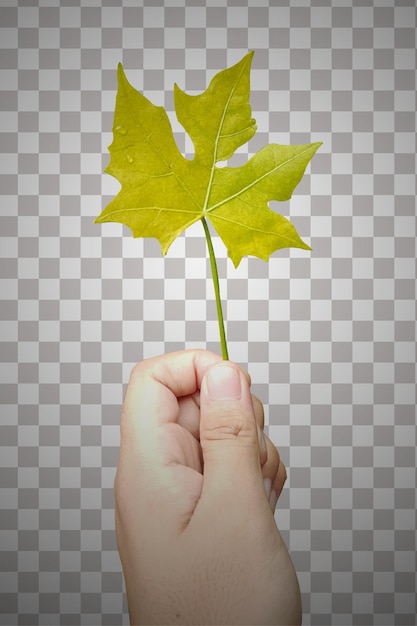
x=267 y=485
x=223 y=382
x=273 y=499
x=262 y=444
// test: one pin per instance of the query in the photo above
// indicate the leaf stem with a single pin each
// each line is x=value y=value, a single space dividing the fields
x=215 y=277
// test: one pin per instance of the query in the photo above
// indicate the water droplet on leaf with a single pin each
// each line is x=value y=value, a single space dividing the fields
x=121 y=130
x=129 y=158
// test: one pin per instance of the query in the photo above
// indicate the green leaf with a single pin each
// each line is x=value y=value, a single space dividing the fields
x=162 y=192
x=219 y=120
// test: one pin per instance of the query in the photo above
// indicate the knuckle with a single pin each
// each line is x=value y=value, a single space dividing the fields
x=273 y=453
x=231 y=425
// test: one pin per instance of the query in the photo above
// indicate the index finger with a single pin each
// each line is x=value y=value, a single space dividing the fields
x=156 y=384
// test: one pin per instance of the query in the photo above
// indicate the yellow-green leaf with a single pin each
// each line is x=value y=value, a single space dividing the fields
x=162 y=192
x=218 y=120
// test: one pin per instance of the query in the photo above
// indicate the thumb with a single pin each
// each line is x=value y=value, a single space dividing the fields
x=229 y=434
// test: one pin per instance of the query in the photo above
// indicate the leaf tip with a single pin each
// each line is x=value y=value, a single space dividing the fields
x=247 y=59
x=121 y=75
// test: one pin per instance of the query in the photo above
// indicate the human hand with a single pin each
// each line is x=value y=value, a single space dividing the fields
x=195 y=488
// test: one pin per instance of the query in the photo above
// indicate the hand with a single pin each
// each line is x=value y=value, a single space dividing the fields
x=196 y=486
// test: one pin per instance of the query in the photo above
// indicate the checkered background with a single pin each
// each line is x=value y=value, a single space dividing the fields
x=328 y=337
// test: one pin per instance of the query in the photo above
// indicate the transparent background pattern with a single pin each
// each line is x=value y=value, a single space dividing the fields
x=329 y=338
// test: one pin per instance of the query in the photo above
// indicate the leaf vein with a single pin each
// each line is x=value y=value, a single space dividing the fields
x=257 y=230
x=216 y=144
x=243 y=190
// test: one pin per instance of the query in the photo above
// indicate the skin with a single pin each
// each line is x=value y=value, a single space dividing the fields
x=196 y=486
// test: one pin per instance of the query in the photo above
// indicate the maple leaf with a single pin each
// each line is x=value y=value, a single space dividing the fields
x=162 y=192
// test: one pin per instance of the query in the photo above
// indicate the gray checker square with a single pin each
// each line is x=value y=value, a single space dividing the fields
x=329 y=338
